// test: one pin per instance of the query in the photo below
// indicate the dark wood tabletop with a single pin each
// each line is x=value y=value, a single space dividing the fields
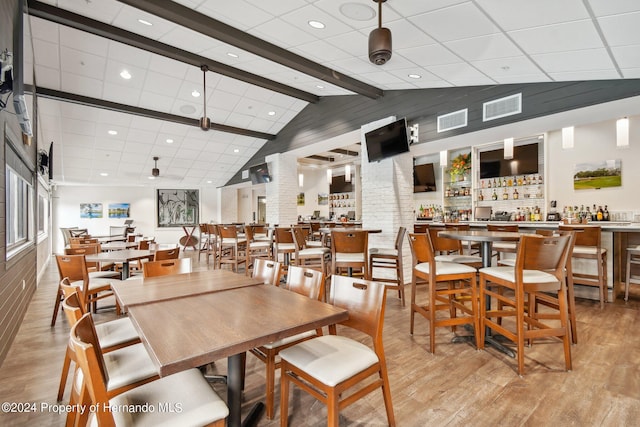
x=161 y=288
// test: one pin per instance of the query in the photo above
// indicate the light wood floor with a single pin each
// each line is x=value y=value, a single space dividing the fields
x=456 y=386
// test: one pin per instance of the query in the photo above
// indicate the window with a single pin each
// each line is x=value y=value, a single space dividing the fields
x=19 y=211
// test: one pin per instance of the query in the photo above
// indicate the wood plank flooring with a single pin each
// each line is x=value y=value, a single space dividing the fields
x=458 y=386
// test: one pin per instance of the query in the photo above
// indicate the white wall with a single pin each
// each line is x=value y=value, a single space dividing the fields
x=66 y=211
x=315 y=182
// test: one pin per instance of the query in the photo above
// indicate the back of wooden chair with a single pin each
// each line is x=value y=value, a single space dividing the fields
x=73 y=308
x=144 y=244
x=443 y=245
x=72 y=266
x=283 y=235
x=352 y=241
x=228 y=231
x=402 y=231
x=267 y=270
x=164 y=254
x=79 y=241
x=68 y=289
x=365 y=301
x=421 y=248
x=305 y=281
x=586 y=235
x=537 y=252
x=503 y=227
x=166 y=267
x=298 y=236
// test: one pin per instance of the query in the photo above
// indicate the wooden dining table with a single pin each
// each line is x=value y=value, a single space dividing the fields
x=161 y=288
x=118 y=246
x=183 y=333
x=123 y=256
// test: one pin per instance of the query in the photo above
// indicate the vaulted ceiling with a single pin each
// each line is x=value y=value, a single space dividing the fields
x=267 y=61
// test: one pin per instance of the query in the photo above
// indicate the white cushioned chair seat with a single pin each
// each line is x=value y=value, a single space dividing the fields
x=116 y=332
x=286 y=246
x=128 y=365
x=462 y=259
x=314 y=243
x=98 y=282
x=288 y=340
x=330 y=359
x=313 y=251
x=528 y=276
x=260 y=244
x=349 y=257
x=511 y=262
x=383 y=251
x=443 y=268
x=232 y=241
x=504 y=245
x=587 y=250
x=198 y=403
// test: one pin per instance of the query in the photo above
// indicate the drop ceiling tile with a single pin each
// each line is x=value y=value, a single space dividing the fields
x=128 y=55
x=121 y=94
x=115 y=118
x=428 y=55
x=518 y=14
x=354 y=43
x=460 y=74
x=558 y=38
x=280 y=7
x=110 y=143
x=103 y=10
x=631 y=73
x=585 y=75
x=282 y=33
x=83 y=41
x=397 y=62
x=48 y=77
x=222 y=99
x=425 y=76
x=188 y=40
x=47 y=53
x=627 y=56
x=43 y=29
x=238 y=13
x=128 y=19
x=504 y=67
x=184 y=162
x=187 y=154
x=161 y=84
x=233 y=86
x=406 y=34
x=608 y=7
x=82 y=85
x=484 y=47
x=320 y=51
x=113 y=70
x=381 y=78
x=108 y=158
x=300 y=18
x=417 y=7
x=621 y=30
x=354 y=66
x=578 y=60
x=167 y=66
x=141 y=136
x=82 y=63
x=139 y=122
x=132 y=148
x=446 y=25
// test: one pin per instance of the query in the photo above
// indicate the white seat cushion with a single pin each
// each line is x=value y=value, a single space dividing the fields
x=313 y=243
x=98 y=282
x=187 y=398
x=285 y=246
x=231 y=241
x=445 y=268
x=349 y=257
x=330 y=359
x=462 y=259
x=383 y=251
x=587 y=250
x=497 y=246
x=528 y=276
x=263 y=244
x=289 y=340
x=313 y=251
x=115 y=332
x=128 y=365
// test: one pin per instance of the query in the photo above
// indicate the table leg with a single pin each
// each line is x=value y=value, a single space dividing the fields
x=235 y=379
x=125 y=270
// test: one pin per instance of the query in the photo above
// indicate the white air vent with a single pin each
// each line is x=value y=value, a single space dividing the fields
x=455 y=120
x=245 y=174
x=502 y=107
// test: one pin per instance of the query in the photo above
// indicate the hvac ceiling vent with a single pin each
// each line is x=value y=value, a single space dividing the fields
x=455 y=120
x=502 y=107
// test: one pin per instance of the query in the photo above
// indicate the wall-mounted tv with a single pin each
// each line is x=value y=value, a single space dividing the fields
x=340 y=185
x=387 y=141
x=424 y=178
x=524 y=162
x=259 y=174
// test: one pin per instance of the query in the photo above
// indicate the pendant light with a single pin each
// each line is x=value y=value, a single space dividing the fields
x=347 y=173
x=380 y=40
x=508 y=148
x=205 y=123
x=622 y=132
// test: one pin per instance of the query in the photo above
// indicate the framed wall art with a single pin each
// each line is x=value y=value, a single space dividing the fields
x=177 y=208
x=598 y=174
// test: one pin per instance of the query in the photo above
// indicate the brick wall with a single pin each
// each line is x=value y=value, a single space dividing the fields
x=281 y=192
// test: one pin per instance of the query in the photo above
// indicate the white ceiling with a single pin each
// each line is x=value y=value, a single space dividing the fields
x=446 y=42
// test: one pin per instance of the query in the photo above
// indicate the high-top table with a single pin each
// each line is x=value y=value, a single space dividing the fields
x=123 y=256
x=486 y=239
x=193 y=331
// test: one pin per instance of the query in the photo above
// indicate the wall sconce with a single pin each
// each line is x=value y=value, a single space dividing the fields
x=329 y=176
x=347 y=173
x=567 y=137
x=508 y=148
x=443 y=159
x=622 y=132
x=300 y=180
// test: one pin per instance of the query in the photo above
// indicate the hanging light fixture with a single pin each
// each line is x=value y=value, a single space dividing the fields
x=443 y=159
x=380 y=40
x=567 y=138
x=300 y=180
x=508 y=148
x=347 y=173
x=329 y=176
x=622 y=132
x=205 y=123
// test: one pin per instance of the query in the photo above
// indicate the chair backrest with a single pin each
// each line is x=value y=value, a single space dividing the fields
x=228 y=231
x=544 y=232
x=68 y=289
x=267 y=270
x=298 y=238
x=117 y=230
x=421 y=248
x=586 y=235
x=77 y=241
x=352 y=241
x=443 y=244
x=306 y=281
x=131 y=238
x=402 y=231
x=365 y=301
x=72 y=266
x=85 y=250
x=503 y=227
x=283 y=235
x=73 y=308
x=144 y=244
x=163 y=254
x=537 y=252
x=166 y=267
x=457 y=226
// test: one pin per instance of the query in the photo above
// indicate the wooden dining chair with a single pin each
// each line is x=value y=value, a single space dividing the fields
x=459 y=294
x=387 y=258
x=256 y=249
x=349 y=249
x=503 y=247
x=112 y=335
x=268 y=271
x=200 y=405
x=539 y=270
x=329 y=366
x=317 y=257
x=304 y=281
x=233 y=247
x=283 y=245
x=166 y=267
x=164 y=254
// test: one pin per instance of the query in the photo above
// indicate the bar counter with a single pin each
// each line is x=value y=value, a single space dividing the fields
x=616 y=238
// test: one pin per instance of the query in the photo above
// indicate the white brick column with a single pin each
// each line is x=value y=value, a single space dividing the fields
x=281 y=192
x=229 y=205
x=387 y=197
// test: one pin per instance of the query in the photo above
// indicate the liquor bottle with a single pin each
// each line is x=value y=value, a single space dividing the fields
x=421 y=211
x=489 y=183
x=605 y=216
x=505 y=195
x=510 y=182
x=499 y=183
x=519 y=180
x=494 y=196
x=504 y=181
x=594 y=214
x=515 y=194
x=480 y=196
x=588 y=214
x=600 y=214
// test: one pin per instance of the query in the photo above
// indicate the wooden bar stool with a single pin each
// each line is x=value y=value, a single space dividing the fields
x=633 y=258
x=389 y=258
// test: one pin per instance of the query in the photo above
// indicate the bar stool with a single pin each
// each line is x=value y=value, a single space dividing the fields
x=633 y=258
x=390 y=258
x=283 y=244
x=349 y=250
x=588 y=246
x=503 y=247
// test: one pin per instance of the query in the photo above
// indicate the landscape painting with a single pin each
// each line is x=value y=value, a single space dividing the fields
x=90 y=210
x=119 y=210
x=596 y=175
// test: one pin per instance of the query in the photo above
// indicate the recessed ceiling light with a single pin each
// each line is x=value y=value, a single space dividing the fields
x=188 y=109
x=125 y=74
x=104 y=174
x=271 y=113
x=195 y=93
x=316 y=24
x=320 y=86
x=143 y=22
x=415 y=76
x=236 y=150
x=112 y=132
x=151 y=177
x=209 y=182
x=169 y=141
x=233 y=55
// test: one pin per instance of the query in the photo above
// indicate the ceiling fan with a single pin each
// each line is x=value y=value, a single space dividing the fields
x=380 y=40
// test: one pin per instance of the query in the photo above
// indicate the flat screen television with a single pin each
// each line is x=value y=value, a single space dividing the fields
x=388 y=140
x=340 y=185
x=259 y=174
x=524 y=162
x=424 y=178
